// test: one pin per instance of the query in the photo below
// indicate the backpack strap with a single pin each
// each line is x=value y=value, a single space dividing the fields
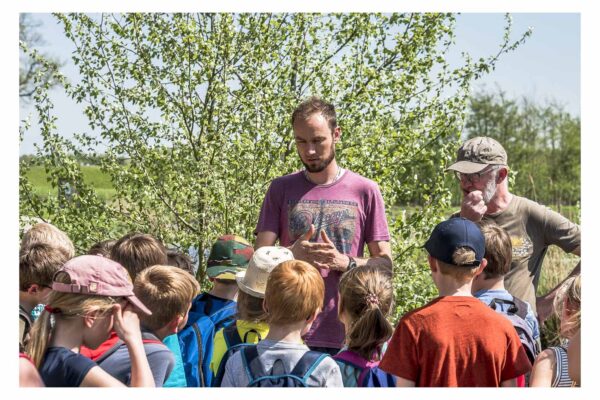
x=108 y=352
x=512 y=309
x=354 y=359
x=521 y=307
x=232 y=336
x=149 y=337
x=198 y=336
x=251 y=363
x=307 y=364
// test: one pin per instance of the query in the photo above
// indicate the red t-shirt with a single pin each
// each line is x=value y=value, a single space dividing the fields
x=455 y=341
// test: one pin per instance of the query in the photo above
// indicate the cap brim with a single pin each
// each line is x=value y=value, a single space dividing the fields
x=136 y=302
x=239 y=278
x=467 y=167
x=214 y=272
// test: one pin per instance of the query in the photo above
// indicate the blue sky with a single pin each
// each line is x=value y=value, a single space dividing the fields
x=545 y=68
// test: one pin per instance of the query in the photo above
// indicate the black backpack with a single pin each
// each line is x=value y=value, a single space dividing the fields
x=298 y=377
x=234 y=342
x=516 y=313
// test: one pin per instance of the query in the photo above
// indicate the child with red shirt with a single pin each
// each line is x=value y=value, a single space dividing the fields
x=455 y=340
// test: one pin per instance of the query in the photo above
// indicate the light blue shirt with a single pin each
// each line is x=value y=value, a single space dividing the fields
x=177 y=377
x=488 y=295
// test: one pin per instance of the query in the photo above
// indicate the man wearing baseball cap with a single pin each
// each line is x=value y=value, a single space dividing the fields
x=482 y=169
x=215 y=309
x=442 y=344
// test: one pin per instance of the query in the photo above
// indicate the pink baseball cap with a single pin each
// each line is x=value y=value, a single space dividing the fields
x=100 y=276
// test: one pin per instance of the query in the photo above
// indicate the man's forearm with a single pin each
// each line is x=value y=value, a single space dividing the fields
x=380 y=261
x=576 y=271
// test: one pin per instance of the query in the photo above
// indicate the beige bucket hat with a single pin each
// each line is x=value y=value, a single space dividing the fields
x=253 y=280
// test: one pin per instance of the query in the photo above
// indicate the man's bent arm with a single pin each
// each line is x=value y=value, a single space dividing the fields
x=380 y=254
x=265 y=238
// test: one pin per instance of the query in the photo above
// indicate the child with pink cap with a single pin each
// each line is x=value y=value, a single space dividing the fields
x=90 y=296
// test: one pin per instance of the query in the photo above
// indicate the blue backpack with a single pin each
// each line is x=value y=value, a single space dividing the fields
x=234 y=342
x=196 y=339
x=370 y=374
x=298 y=377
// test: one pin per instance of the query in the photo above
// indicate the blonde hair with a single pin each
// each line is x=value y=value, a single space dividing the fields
x=459 y=271
x=167 y=291
x=38 y=262
x=249 y=308
x=498 y=249
x=68 y=305
x=294 y=292
x=569 y=296
x=138 y=251
x=49 y=234
x=367 y=298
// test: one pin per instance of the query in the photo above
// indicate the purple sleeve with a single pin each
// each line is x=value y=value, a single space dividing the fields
x=270 y=212
x=376 y=228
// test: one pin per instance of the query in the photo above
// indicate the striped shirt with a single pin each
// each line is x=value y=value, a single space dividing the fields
x=561 y=371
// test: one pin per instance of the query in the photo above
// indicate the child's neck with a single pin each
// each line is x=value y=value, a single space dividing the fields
x=449 y=287
x=286 y=333
x=223 y=291
x=488 y=284
x=68 y=333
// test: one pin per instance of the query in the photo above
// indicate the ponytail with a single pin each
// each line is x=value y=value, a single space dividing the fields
x=39 y=337
x=366 y=298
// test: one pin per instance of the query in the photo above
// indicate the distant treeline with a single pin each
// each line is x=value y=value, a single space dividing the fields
x=543 y=143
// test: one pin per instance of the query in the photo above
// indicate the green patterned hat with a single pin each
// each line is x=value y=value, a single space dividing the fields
x=230 y=254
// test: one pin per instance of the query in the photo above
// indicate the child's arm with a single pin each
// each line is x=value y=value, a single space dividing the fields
x=509 y=383
x=543 y=369
x=127 y=326
x=401 y=382
x=97 y=377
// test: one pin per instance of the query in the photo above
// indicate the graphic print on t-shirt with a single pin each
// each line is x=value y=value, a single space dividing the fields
x=336 y=217
x=521 y=247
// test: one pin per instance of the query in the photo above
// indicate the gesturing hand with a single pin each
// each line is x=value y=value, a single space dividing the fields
x=321 y=255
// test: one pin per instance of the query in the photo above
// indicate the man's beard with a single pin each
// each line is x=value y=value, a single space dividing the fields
x=321 y=166
x=489 y=190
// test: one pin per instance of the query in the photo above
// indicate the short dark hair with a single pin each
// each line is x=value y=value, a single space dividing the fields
x=102 y=248
x=314 y=105
x=181 y=260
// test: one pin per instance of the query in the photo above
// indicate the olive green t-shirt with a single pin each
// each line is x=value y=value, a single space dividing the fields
x=532 y=228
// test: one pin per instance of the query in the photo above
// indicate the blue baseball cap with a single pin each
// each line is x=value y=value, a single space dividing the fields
x=452 y=234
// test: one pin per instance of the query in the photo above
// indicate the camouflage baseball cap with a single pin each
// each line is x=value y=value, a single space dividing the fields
x=477 y=153
x=230 y=254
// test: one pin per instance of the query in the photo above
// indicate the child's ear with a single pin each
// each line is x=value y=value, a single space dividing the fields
x=432 y=263
x=264 y=306
x=481 y=266
x=90 y=318
x=33 y=289
x=174 y=324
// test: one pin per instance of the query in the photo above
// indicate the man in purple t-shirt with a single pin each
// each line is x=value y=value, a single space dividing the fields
x=324 y=203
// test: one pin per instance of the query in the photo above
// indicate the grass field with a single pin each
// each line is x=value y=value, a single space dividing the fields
x=91 y=175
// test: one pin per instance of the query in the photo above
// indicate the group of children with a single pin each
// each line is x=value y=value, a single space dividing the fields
x=129 y=313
